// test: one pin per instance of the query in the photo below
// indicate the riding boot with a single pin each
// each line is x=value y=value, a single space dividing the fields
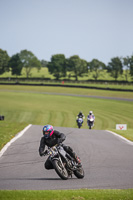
x=77 y=159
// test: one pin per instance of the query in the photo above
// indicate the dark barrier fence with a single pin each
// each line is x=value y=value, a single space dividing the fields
x=65 y=80
x=70 y=86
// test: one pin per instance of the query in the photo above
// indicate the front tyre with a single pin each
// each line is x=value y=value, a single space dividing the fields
x=60 y=170
x=79 y=125
x=79 y=173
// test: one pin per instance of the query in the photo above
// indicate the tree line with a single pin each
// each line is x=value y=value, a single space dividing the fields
x=59 y=65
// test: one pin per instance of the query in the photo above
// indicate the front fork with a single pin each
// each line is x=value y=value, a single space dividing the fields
x=60 y=160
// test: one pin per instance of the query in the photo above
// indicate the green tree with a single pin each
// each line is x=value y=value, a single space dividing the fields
x=29 y=61
x=126 y=64
x=131 y=65
x=57 y=66
x=15 y=64
x=96 y=66
x=4 y=59
x=115 y=67
x=44 y=63
x=77 y=66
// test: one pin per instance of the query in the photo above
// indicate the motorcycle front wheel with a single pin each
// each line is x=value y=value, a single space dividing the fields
x=60 y=170
x=79 y=173
x=79 y=125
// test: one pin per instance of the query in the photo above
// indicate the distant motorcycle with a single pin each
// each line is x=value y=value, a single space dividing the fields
x=79 y=122
x=90 y=122
x=63 y=163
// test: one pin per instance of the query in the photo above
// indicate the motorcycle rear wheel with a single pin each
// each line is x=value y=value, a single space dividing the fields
x=79 y=173
x=60 y=170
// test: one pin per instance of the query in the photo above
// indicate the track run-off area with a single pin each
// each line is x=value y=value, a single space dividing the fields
x=106 y=158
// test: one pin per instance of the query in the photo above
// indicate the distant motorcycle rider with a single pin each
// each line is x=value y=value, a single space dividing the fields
x=50 y=138
x=91 y=115
x=80 y=115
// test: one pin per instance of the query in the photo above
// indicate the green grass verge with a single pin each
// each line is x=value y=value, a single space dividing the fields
x=128 y=134
x=84 y=194
x=8 y=130
x=104 y=85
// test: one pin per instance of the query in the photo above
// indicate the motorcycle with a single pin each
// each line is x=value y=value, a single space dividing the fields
x=79 y=122
x=63 y=163
x=90 y=121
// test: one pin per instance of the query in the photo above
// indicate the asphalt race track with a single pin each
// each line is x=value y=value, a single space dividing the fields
x=107 y=161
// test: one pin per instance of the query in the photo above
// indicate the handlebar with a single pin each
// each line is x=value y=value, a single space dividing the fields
x=47 y=152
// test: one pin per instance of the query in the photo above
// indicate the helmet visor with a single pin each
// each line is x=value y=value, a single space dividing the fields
x=46 y=132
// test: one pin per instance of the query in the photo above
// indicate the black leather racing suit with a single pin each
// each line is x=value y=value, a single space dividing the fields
x=80 y=115
x=56 y=138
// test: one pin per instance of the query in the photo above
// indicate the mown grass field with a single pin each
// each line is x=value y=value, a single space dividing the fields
x=84 y=194
x=65 y=90
x=23 y=105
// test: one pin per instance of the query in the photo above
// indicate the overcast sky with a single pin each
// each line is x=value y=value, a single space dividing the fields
x=100 y=29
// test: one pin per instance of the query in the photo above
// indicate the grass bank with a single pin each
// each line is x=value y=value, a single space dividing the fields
x=8 y=130
x=84 y=194
x=31 y=105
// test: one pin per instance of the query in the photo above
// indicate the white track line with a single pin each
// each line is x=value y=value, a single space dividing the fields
x=126 y=140
x=14 y=139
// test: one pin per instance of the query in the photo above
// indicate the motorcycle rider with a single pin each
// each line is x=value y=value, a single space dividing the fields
x=80 y=115
x=91 y=115
x=50 y=138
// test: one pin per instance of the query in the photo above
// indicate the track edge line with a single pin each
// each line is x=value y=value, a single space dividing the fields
x=14 y=139
x=123 y=138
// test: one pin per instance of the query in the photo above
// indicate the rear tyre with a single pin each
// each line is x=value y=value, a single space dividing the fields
x=60 y=170
x=79 y=173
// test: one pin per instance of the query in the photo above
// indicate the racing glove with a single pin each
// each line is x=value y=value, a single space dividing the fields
x=59 y=140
